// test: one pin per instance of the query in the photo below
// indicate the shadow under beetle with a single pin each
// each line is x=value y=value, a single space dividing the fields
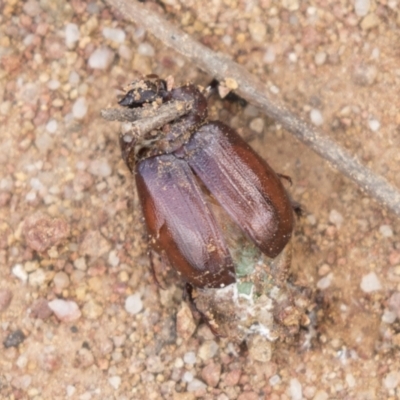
x=174 y=163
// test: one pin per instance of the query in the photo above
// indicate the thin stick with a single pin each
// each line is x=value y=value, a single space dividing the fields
x=251 y=89
x=157 y=116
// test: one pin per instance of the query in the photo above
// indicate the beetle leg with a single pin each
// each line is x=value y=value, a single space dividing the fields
x=158 y=267
x=285 y=177
x=189 y=296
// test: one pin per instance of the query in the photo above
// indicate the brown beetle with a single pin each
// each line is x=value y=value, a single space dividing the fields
x=172 y=164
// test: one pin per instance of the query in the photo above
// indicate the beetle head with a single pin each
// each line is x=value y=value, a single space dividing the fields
x=144 y=91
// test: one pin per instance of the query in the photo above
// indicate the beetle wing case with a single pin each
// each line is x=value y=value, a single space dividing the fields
x=244 y=185
x=181 y=224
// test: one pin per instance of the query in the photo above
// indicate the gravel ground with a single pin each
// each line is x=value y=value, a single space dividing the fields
x=80 y=314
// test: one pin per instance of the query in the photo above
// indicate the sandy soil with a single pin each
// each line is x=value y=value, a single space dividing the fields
x=70 y=226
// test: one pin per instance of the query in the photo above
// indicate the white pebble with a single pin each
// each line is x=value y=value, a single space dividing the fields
x=187 y=377
x=391 y=380
x=316 y=117
x=133 y=304
x=113 y=259
x=100 y=168
x=80 y=264
x=72 y=35
x=22 y=361
x=101 y=58
x=269 y=56
x=274 y=380
x=65 y=310
x=196 y=385
x=320 y=58
x=386 y=230
x=146 y=49
x=370 y=283
x=19 y=272
x=74 y=78
x=71 y=390
x=80 y=108
x=374 y=125
x=189 y=358
x=325 y=282
x=114 y=34
x=51 y=126
x=388 y=316
x=336 y=218
x=295 y=389
x=115 y=381
x=361 y=7
x=53 y=84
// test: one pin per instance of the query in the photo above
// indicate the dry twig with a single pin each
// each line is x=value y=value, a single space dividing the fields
x=146 y=119
x=222 y=67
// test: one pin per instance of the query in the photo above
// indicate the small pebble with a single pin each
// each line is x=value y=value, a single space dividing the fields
x=42 y=231
x=320 y=58
x=154 y=364
x=133 y=304
x=72 y=35
x=146 y=49
x=80 y=108
x=189 y=358
x=321 y=395
x=388 y=316
x=316 y=117
x=65 y=310
x=40 y=309
x=37 y=278
x=394 y=303
x=275 y=380
x=196 y=385
x=113 y=259
x=361 y=7
x=257 y=125
x=51 y=126
x=208 y=350
x=365 y=74
x=386 y=230
x=269 y=56
x=101 y=58
x=80 y=264
x=336 y=218
x=92 y=310
x=211 y=374
x=115 y=381
x=185 y=324
x=370 y=283
x=295 y=389
x=14 y=339
x=19 y=272
x=61 y=280
x=374 y=125
x=291 y=5
x=325 y=282
x=53 y=84
x=5 y=299
x=258 y=31
x=187 y=377
x=100 y=167
x=391 y=380
x=114 y=34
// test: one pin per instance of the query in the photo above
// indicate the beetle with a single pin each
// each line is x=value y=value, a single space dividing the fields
x=176 y=164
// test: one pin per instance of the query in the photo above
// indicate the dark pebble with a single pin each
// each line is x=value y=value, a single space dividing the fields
x=14 y=339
